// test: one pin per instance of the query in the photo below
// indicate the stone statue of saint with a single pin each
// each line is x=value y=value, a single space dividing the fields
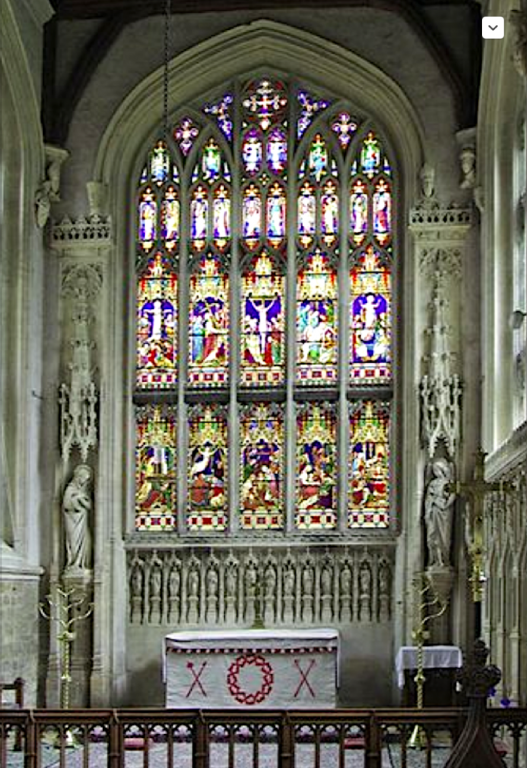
x=438 y=513
x=76 y=507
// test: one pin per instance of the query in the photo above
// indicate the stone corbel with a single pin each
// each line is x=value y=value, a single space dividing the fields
x=49 y=189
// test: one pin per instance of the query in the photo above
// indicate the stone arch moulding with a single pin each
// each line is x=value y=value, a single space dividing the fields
x=14 y=61
x=248 y=47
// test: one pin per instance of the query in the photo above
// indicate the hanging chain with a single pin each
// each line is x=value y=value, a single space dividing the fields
x=165 y=70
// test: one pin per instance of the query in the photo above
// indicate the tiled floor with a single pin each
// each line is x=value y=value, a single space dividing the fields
x=219 y=757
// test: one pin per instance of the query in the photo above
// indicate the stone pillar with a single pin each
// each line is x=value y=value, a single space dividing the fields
x=439 y=234
x=83 y=248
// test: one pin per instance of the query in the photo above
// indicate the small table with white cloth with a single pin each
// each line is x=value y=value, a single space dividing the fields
x=440 y=663
x=271 y=668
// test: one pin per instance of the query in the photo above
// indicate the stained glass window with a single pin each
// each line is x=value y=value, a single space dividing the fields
x=207 y=469
x=370 y=306
x=369 y=480
x=317 y=321
x=261 y=472
x=262 y=321
x=209 y=323
x=316 y=484
x=266 y=179
x=156 y=468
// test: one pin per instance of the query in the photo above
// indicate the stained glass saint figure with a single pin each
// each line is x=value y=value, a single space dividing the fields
x=329 y=213
x=277 y=151
x=358 y=212
x=369 y=465
x=156 y=325
x=252 y=152
x=207 y=469
x=306 y=214
x=263 y=296
x=370 y=157
x=199 y=214
x=262 y=441
x=317 y=321
x=276 y=215
x=208 y=323
x=147 y=219
x=211 y=162
x=159 y=163
x=318 y=158
x=221 y=217
x=252 y=216
x=156 y=468
x=370 y=319
x=382 y=211
x=170 y=218
x=316 y=502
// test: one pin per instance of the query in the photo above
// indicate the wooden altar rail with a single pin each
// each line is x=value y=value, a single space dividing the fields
x=161 y=738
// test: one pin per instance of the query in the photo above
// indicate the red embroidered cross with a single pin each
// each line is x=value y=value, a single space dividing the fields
x=196 y=678
x=303 y=677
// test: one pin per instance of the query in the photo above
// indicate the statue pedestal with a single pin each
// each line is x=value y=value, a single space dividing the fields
x=441 y=579
x=327 y=613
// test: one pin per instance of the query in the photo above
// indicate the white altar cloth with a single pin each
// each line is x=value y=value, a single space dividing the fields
x=268 y=668
x=434 y=657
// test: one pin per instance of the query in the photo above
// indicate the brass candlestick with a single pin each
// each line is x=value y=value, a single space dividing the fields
x=62 y=610
x=419 y=635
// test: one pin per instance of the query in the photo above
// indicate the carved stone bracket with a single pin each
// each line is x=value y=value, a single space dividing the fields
x=440 y=225
x=293 y=586
x=81 y=284
x=94 y=229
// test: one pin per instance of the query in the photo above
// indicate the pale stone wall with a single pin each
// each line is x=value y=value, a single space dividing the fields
x=376 y=35
x=501 y=169
x=19 y=638
x=124 y=100
x=22 y=168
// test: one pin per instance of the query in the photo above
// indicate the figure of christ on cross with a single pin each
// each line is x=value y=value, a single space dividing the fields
x=474 y=492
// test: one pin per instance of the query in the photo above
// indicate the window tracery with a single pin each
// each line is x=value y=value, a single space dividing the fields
x=265 y=184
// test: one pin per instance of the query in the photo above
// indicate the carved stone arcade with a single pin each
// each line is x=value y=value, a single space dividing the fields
x=317 y=586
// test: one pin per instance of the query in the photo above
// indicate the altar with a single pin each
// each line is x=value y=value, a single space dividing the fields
x=440 y=664
x=268 y=668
